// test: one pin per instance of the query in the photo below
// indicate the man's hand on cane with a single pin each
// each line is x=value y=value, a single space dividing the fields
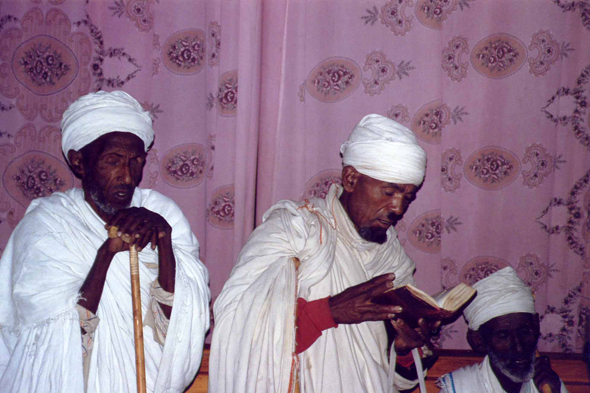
x=140 y=226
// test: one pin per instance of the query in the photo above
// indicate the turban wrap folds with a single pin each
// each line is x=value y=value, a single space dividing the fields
x=95 y=114
x=385 y=150
x=501 y=293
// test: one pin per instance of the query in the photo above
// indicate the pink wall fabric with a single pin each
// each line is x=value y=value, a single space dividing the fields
x=496 y=91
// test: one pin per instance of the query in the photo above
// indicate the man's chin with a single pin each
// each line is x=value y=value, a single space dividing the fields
x=374 y=234
x=514 y=372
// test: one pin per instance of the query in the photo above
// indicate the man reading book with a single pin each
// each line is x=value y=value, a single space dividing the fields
x=504 y=326
x=297 y=310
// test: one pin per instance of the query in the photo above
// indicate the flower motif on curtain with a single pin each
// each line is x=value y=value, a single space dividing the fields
x=432 y=13
x=548 y=52
x=449 y=178
x=429 y=121
x=572 y=6
x=393 y=15
x=183 y=53
x=576 y=211
x=227 y=93
x=491 y=168
x=452 y=58
x=220 y=212
x=214 y=34
x=558 y=323
x=542 y=165
x=498 y=56
x=48 y=64
x=332 y=80
x=383 y=71
x=425 y=232
x=184 y=165
x=399 y=113
x=570 y=106
x=33 y=167
x=536 y=273
x=317 y=186
x=102 y=61
x=480 y=267
x=140 y=12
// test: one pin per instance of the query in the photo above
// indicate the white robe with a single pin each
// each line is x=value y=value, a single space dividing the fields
x=254 y=336
x=479 y=378
x=42 y=269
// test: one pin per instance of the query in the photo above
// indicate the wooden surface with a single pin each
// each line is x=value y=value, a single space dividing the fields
x=570 y=368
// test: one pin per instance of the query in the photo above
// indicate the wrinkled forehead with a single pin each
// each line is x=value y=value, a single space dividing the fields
x=116 y=140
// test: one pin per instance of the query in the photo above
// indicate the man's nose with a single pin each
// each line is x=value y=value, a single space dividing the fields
x=125 y=174
x=518 y=345
x=396 y=204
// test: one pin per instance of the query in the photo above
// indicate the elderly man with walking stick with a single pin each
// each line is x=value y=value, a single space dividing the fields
x=66 y=315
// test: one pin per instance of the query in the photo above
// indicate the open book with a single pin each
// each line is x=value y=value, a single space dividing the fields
x=446 y=305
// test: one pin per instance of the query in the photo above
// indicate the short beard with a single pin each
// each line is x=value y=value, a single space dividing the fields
x=373 y=234
x=98 y=198
x=501 y=363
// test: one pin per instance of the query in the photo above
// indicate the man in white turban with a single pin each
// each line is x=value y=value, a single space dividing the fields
x=66 y=318
x=504 y=326
x=296 y=313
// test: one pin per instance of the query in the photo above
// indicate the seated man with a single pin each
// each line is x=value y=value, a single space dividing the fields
x=297 y=310
x=66 y=318
x=504 y=326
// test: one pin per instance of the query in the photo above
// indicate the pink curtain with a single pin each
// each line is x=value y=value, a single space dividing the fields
x=496 y=91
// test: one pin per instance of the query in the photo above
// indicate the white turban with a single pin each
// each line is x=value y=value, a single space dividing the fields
x=95 y=114
x=385 y=150
x=500 y=293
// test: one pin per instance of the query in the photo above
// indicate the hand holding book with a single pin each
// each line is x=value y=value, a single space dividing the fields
x=445 y=306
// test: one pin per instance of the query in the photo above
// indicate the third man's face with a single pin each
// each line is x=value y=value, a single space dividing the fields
x=511 y=342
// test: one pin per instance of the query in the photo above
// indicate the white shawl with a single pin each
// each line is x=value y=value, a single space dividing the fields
x=479 y=378
x=254 y=336
x=42 y=269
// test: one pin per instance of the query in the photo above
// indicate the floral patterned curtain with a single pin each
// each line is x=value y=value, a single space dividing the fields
x=496 y=91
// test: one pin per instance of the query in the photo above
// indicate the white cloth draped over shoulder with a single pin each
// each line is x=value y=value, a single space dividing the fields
x=42 y=269
x=254 y=336
x=479 y=378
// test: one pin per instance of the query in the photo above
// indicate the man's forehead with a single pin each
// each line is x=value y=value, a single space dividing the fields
x=510 y=321
x=117 y=140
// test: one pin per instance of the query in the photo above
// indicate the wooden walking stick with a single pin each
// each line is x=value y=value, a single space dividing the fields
x=137 y=317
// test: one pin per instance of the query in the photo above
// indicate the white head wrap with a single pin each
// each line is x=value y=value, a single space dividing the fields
x=500 y=293
x=385 y=150
x=95 y=114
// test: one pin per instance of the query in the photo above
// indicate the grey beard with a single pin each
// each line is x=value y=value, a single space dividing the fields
x=106 y=208
x=519 y=377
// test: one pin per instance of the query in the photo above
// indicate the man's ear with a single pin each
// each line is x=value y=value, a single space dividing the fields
x=350 y=177
x=76 y=163
x=475 y=339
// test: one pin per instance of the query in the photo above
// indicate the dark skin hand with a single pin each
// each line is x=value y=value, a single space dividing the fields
x=142 y=226
x=544 y=375
x=408 y=338
x=355 y=305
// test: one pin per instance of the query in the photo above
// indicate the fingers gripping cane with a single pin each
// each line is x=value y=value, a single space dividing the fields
x=137 y=317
